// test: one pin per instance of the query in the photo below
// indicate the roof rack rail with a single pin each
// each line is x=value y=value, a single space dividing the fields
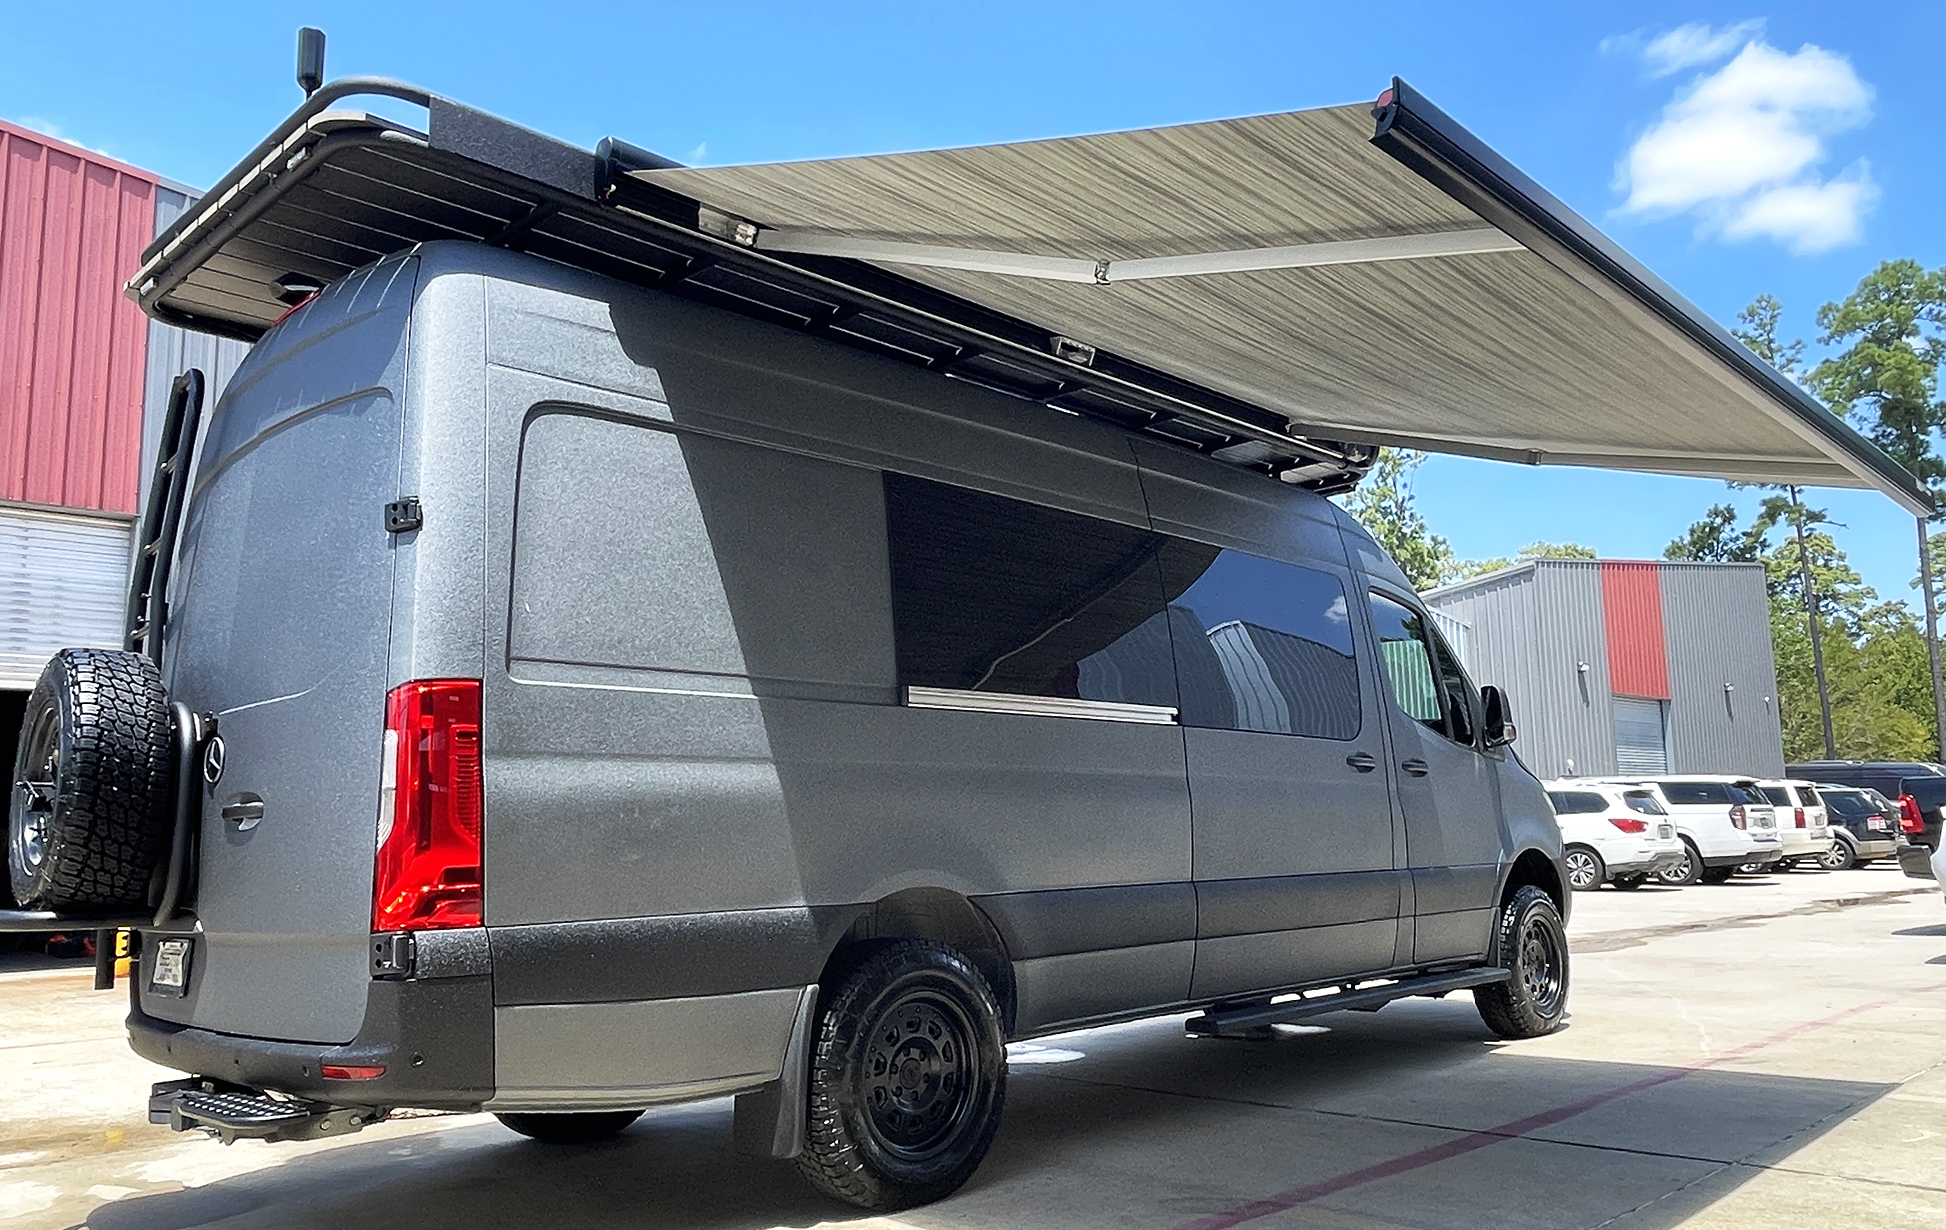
x=332 y=190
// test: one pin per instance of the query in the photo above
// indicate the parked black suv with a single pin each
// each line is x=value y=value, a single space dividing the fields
x=1864 y=826
x=1919 y=788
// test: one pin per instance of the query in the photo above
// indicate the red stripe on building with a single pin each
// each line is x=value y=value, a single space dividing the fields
x=1631 y=604
x=72 y=348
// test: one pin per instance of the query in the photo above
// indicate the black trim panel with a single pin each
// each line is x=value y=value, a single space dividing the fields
x=667 y=957
x=1290 y=903
x=1060 y=921
x=1449 y=890
x=434 y=1039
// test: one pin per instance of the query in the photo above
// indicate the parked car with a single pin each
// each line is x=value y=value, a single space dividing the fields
x=1883 y=776
x=720 y=710
x=1723 y=820
x=1918 y=787
x=1864 y=826
x=1619 y=835
x=1803 y=828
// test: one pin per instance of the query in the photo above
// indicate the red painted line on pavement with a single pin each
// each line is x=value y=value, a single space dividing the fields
x=1512 y=1129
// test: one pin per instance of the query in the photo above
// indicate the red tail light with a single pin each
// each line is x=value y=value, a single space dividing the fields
x=352 y=1072
x=1800 y=817
x=1629 y=826
x=1910 y=820
x=1738 y=816
x=428 y=872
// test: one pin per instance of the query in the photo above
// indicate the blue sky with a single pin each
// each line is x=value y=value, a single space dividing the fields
x=1705 y=138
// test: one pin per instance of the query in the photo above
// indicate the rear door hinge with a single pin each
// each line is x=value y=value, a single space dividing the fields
x=404 y=516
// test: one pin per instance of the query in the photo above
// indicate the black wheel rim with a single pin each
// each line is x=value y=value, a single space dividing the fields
x=33 y=804
x=1543 y=966
x=1581 y=869
x=919 y=1074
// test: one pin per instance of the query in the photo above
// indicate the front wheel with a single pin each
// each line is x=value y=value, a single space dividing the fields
x=908 y=1075
x=569 y=1127
x=1585 y=872
x=1533 y=945
x=1688 y=871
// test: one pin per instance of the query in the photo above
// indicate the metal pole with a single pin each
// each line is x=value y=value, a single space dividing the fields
x=1932 y=637
x=1817 y=632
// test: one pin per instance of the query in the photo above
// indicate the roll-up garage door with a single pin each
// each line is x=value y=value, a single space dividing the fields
x=1639 y=743
x=63 y=581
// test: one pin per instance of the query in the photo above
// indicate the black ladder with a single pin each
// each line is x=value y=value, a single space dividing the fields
x=155 y=548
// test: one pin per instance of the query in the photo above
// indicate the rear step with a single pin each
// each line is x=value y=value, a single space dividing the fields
x=237 y=1112
x=1254 y=1019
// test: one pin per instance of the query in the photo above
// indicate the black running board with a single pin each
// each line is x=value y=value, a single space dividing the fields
x=237 y=1112
x=1246 y=1020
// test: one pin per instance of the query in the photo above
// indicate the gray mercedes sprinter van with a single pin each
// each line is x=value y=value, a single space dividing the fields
x=601 y=700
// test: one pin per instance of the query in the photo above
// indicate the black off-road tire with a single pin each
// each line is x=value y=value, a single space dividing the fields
x=93 y=784
x=1686 y=872
x=908 y=1077
x=1532 y=942
x=569 y=1127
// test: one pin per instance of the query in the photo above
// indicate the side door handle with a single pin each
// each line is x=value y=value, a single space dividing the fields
x=1364 y=762
x=1415 y=766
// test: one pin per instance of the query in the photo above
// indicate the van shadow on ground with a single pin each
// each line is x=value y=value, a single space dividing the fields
x=1135 y=1126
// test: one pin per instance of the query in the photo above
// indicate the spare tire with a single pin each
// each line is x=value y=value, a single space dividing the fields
x=93 y=784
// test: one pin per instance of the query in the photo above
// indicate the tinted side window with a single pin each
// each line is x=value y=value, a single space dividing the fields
x=1432 y=694
x=1845 y=803
x=991 y=594
x=1809 y=796
x=1260 y=645
x=1645 y=802
x=1685 y=794
x=1778 y=795
x=1577 y=802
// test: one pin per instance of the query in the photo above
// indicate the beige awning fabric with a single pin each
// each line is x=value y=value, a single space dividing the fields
x=1408 y=290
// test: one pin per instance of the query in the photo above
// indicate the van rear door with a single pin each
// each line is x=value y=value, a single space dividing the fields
x=280 y=625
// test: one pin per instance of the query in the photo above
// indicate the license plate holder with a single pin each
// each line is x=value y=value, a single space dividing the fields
x=169 y=971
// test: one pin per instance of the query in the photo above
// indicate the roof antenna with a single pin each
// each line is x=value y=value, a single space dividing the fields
x=310 y=60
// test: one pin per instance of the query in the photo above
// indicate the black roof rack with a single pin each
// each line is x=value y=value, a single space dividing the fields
x=332 y=190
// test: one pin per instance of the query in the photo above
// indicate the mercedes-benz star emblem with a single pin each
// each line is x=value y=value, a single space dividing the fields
x=213 y=760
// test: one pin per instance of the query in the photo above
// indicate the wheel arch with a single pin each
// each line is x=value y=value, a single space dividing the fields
x=1537 y=868
x=937 y=914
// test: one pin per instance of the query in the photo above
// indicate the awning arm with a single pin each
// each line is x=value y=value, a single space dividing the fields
x=1102 y=271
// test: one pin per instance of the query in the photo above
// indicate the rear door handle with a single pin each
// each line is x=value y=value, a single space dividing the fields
x=1364 y=762
x=1415 y=766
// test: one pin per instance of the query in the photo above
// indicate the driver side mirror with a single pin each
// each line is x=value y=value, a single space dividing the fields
x=1498 y=717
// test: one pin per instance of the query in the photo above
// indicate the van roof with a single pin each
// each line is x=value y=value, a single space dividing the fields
x=1280 y=292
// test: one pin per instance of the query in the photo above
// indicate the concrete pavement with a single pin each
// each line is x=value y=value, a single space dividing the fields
x=1771 y=1052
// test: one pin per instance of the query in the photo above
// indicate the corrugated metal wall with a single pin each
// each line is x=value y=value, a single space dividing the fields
x=1716 y=620
x=72 y=349
x=1631 y=599
x=1529 y=629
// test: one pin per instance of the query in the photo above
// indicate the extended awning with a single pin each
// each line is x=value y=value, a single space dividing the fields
x=1279 y=292
x=1393 y=282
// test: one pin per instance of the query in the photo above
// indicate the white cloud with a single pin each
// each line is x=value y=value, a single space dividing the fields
x=1739 y=148
x=1695 y=44
x=1809 y=217
x=46 y=128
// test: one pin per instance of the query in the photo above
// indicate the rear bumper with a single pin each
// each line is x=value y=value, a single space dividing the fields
x=1763 y=855
x=1877 y=847
x=433 y=1037
x=1800 y=843
x=1647 y=863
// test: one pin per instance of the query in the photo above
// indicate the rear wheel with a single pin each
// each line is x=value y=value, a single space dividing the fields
x=571 y=1127
x=1784 y=864
x=1840 y=857
x=1533 y=945
x=1688 y=871
x=1629 y=883
x=1584 y=867
x=908 y=1076
x=90 y=813
x=1719 y=875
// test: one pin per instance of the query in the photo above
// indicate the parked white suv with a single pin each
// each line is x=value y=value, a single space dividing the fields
x=1803 y=827
x=1619 y=834
x=1724 y=822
